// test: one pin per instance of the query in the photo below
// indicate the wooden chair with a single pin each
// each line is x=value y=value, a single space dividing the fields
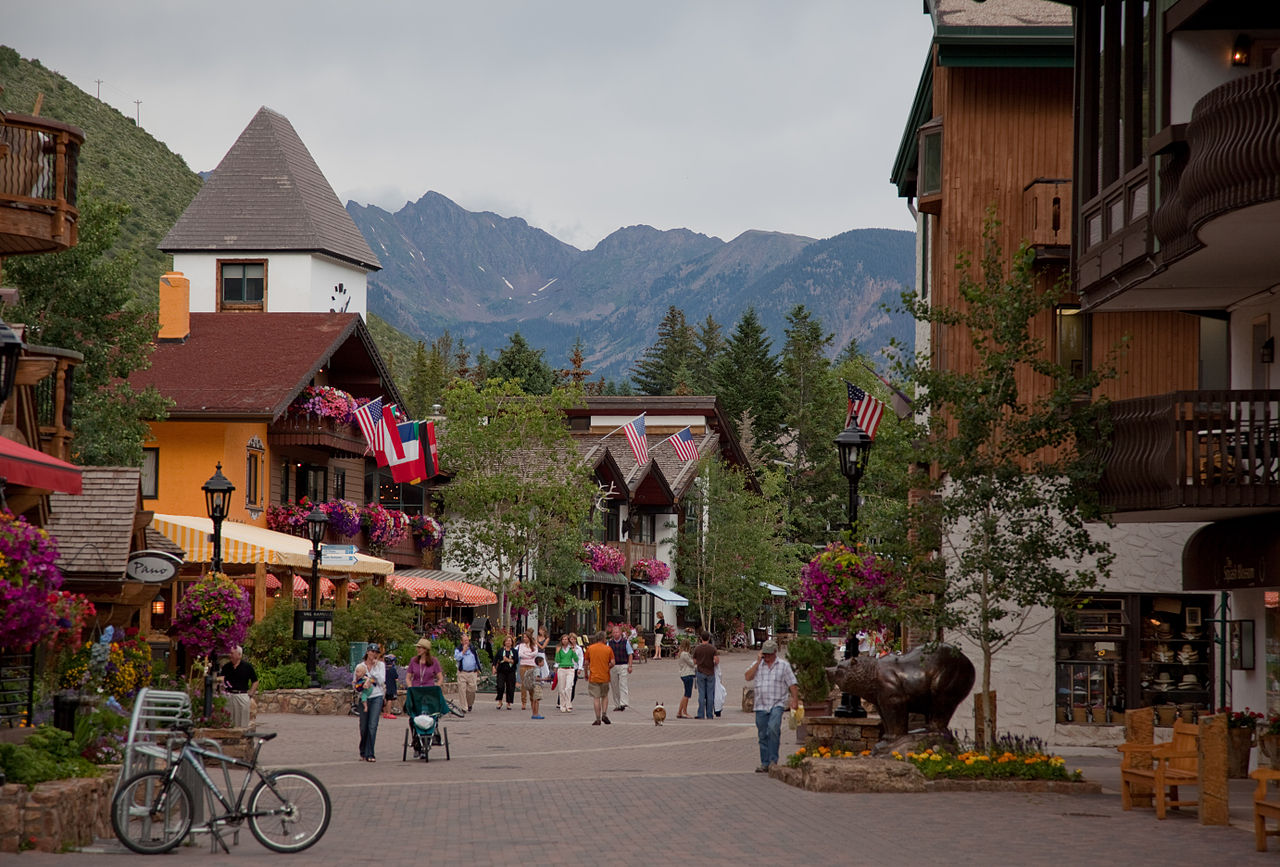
x=1263 y=808
x=1175 y=763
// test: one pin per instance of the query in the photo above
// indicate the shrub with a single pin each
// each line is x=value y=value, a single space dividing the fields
x=48 y=754
x=290 y=676
x=810 y=658
x=381 y=614
x=270 y=642
x=443 y=649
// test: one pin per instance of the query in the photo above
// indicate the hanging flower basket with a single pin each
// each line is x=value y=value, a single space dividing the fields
x=850 y=589
x=603 y=558
x=213 y=616
x=29 y=578
x=649 y=571
x=344 y=517
x=427 y=532
x=289 y=517
x=384 y=527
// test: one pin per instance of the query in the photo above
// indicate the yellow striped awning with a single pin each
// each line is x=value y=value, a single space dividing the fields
x=245 y=543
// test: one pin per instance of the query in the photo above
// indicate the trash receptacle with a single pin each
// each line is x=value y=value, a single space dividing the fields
x=65 y=707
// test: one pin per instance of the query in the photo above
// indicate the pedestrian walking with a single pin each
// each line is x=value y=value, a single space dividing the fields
x=599 y=661
x=659 y=632
x=566 y=665
x=705 y=660
x=544 y=642
x=579 y=654
x=504 y=668
x=622 y=656
x=685 y=668
x=775 y=690
x=375 y=678
x=526 y=652
x=393 y=679
x=538 y=674
x=468 y=672
x=424 y=668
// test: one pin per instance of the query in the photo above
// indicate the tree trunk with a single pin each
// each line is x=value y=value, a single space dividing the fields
x=988 y=734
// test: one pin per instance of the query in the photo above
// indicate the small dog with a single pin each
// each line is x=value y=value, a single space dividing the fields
x=659 y=714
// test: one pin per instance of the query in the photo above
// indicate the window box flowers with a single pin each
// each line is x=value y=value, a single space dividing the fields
x=427 y=532
x=384 y=527
x=325 y=402
x=649 y=571
x=289 y=517
x=849 y=588
x=603 y=558
x=344 y=517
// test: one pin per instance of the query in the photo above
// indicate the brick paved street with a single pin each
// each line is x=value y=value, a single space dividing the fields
x=561 y=791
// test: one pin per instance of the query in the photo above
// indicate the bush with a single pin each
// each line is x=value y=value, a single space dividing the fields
x=270 y=641
x=443 y=649
x=291 y=676
x=381 y=615
x=48 y=754
x=810 y=658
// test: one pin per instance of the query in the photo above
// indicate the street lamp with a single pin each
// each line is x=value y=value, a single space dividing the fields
x=854 y=447
x=317 y=522
x=217 y=500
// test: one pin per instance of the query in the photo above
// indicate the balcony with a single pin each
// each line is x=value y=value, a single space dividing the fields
x=1219 y=209
x=39 y=161
x=1194 y=456
x=314 y=430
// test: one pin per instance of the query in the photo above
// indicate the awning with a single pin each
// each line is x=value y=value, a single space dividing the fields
x=23 y=465
x=454 y=584
x=774 y=589
x=245 y=543
x=662 y=595
x=273 y=583
x=422 y=588
x=1235 y=554
x=302 y=586
x=591 y=576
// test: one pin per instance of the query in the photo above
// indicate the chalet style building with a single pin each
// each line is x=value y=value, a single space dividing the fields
x=991 y=125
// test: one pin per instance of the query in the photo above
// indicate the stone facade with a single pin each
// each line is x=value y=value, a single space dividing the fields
x=327 y=702
x=1148 y=560
x=57 y=814
x=853 y=734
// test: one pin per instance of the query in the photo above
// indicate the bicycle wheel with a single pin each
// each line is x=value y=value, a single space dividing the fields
x=455 y=709
x=151 y=813
x=289 y=811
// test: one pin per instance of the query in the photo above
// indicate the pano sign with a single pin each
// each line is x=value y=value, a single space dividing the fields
x=152 y=567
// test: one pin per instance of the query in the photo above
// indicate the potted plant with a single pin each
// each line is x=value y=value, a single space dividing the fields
x=811 y=658
x=1242 y=733
x=1269 y=739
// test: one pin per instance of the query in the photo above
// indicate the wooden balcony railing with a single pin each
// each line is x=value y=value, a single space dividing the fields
x=314 y=430
x=39 y=172
x=1194 y=449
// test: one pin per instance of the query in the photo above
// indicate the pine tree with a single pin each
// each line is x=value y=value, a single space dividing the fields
x=709 y=337
x=522 y=363
x=655 y=372
x=416 y=396
x=747 y=378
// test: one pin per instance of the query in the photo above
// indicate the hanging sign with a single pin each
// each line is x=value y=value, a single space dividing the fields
x=152 y=567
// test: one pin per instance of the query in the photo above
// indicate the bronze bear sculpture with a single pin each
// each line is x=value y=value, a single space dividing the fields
x=929 y=682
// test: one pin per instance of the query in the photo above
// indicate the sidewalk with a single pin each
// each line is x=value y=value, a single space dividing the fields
x=561 y=791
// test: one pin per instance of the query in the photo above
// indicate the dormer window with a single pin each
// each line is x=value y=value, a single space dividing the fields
x=242 y=284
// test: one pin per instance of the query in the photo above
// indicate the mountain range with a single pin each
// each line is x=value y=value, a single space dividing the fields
x=484 y=277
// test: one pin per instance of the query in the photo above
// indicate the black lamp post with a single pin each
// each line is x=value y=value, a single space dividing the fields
x=317 y=522
x=854 y=447
x=217 y=500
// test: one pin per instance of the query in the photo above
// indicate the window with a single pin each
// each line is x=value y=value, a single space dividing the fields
x=244 y=284
x=339 y=484
x=1072 y=328
x=253 y=462
x=1215 y=355
x=313 y=483
x=929 y=184
x=380 y=488
x=643 y=528
x=150 y=473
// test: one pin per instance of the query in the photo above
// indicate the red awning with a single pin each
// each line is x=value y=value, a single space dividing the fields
x=22 y=465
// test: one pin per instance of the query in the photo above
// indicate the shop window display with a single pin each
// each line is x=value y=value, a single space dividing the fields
x=1121 y=652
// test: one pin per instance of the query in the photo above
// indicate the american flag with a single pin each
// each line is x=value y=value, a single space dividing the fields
x=634 y=430
x=682 y=442
x=369 y=418
x=863 y=409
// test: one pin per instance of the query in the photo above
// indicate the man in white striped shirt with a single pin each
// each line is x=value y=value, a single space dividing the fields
x=776 y=688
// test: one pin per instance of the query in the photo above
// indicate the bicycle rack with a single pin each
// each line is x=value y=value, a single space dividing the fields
x=155 y=711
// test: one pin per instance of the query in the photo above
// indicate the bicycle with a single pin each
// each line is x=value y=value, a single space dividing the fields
x=288 y=810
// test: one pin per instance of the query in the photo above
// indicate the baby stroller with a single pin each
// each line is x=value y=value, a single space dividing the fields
x=424 y=706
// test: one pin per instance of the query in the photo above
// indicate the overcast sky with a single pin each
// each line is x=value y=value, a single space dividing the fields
x=580 y=117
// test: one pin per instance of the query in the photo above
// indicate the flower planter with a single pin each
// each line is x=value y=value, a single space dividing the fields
x=1240 y=743
x=1269 y=745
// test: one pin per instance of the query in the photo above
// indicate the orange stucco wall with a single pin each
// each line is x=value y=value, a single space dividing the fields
x=189 y=452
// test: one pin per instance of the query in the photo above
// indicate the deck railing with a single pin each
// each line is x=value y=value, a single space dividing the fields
x=39 y=178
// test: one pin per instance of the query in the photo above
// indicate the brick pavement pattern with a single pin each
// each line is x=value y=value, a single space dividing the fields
x=521 y=790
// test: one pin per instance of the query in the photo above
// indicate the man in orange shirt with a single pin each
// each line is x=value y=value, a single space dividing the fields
x=599 y=661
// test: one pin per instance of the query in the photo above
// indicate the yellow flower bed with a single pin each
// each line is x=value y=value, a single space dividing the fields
x=975 y=764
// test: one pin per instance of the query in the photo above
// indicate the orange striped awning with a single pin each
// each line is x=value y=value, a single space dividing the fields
x=273 y=583
x=423 y=588
x=453 y=584
x=301 y=585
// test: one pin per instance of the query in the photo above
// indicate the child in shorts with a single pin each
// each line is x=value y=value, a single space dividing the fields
x=534 y=678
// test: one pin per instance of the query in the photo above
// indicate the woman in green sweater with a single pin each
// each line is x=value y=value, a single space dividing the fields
x=566 y=662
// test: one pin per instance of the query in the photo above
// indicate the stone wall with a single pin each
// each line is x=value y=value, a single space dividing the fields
x=57 y=814
x=854 y=734
x=324 y=702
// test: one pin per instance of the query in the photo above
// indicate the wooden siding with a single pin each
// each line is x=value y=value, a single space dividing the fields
x=1161 y=353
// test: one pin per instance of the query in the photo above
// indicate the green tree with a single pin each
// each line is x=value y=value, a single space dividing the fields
x=521 y=362
x=417 y=397
x=1017 y=456
x=709 y=337
x=380 y=614
x=733 y=542
x=81 y=299
x=519 y=483
x=747 y=378
x=656 y=371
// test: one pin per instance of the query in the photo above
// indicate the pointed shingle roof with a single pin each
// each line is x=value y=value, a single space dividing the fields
x=269 y=194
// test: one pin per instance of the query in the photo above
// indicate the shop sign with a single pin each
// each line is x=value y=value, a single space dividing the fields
x=152 y=567
x=1233 y=555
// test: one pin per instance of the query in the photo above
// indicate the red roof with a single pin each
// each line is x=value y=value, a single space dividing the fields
x=254 y=364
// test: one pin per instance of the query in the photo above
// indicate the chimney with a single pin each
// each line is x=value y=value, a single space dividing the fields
x=175 y=306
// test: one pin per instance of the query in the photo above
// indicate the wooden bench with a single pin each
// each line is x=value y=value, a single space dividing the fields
x=1263 y=808
x=1173 y=764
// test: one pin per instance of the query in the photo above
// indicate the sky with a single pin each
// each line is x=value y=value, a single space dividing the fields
x=580 y=117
